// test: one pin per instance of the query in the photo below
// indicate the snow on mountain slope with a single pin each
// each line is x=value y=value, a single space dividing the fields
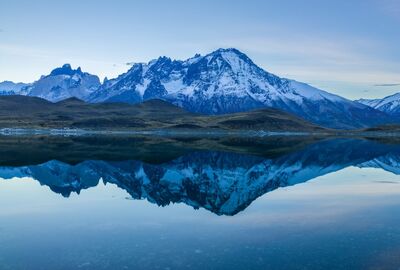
x=11 y=88
x=63 y=83
x=227 y=81
x=389 y=104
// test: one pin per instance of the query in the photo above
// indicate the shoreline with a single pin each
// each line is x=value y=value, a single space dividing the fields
x=155 y=132
x=188 y=133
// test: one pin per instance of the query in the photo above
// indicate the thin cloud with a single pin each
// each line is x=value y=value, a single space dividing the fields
x=315 y=58
x=387 y=84
x=390 y=7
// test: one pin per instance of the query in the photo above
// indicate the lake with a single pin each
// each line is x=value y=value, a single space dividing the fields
x=136 y=202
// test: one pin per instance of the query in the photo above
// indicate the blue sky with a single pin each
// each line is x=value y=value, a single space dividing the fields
x=348 y=47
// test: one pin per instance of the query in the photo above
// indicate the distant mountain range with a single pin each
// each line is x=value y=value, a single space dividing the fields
x=11 y=88
x=389 y=104
x=224 y=81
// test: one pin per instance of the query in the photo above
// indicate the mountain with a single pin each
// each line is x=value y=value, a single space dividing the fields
x=11 y=88
x=389 y=104
x=222 y=82
x=32 y=112
x=62 y=83
x=227 y=81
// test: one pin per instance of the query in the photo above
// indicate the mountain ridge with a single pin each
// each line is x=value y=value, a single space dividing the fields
x=389 y=104
x=11 y=88
x=222 y=82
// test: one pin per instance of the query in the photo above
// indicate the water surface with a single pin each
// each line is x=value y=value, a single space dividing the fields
x=190 y=203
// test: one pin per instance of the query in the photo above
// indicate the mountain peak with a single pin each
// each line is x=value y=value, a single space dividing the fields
x=231 y=50
x=66 y=69
x=232 y=56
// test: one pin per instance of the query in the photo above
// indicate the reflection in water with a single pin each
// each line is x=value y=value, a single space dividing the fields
x=348 y=219
x=224 y=182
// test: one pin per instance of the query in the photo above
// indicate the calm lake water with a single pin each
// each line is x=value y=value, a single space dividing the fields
x=199 y=203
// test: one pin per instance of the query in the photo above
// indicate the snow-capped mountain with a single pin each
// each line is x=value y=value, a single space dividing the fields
x=11 y=88
x=227 y=81
x=224 y=81
x=389 y=104
x=63 y=83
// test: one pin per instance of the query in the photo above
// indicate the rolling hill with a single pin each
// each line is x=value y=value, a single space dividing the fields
x=32 y=112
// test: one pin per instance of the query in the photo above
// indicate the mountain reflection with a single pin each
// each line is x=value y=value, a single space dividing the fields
x=224 y=182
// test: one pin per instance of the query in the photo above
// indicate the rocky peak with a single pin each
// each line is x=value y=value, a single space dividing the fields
x=66 y=69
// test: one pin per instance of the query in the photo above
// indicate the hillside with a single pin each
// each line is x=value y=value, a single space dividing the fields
x=32 y=112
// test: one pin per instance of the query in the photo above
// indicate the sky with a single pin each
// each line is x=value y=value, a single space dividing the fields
x=347 y=47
